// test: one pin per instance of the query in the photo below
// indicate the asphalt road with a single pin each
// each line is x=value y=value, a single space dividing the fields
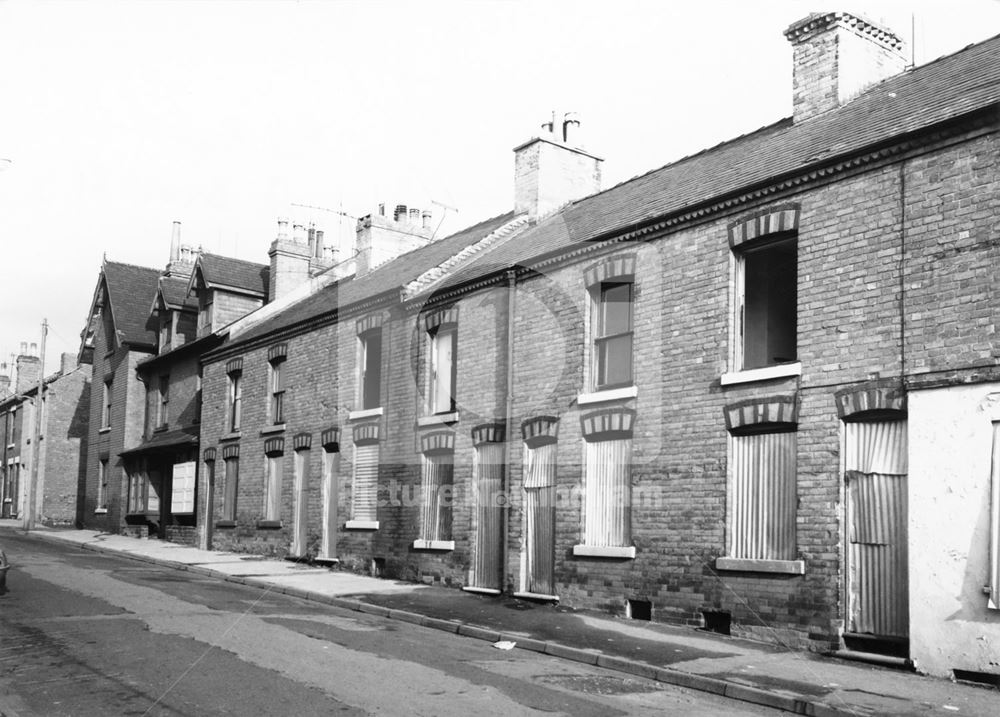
x=88 y=634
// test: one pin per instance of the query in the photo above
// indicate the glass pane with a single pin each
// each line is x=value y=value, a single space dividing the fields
x=615 y=359
x=616 y=309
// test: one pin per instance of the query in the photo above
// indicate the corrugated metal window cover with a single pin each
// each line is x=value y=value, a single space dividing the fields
x=364 y=499
x=436 y=497
x=487 y=475
x=763 y=496
x=607 y=487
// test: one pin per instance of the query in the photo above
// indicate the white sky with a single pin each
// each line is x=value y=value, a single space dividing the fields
x=119 y=118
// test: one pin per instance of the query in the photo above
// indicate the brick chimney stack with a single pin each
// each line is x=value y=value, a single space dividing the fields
x=67 y=363
x=28 y=368
x=4 y=380
x=836 y=57
x=381 y=238
x=289 y=260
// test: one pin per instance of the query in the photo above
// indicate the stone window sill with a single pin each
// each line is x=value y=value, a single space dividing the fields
x=100 y=511
x=278 y=428
x=104 y=430
x=433 y=544
x=361 y=525
x=268 y=524
x=751 y=565
x=438 y=419
x=604 y=551
x=767 y=373
x=611 y=394
x=234 y=436
x=225 y=524
x=366 y=413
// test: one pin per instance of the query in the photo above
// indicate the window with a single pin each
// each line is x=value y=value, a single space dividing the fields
x=370 y=364
x=443 y=369
x=613 y=335
x=197 y=396
x=166 y=330
x=232 y=477
x=235 y=400
x=765 y=250
x=442 y=360
x=436 y=491
x=102 y=484
x=136 y=492
x=204 y=311
x=272 y=487
x=436 y=498
x=364 y=479
x=607 y=484
x=277 y=376
x=762 y=496
x=183 y=488
x=164 y=401
x=106 y=404
x=10 y=425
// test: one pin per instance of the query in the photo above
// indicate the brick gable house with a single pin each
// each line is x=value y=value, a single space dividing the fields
x=754 y=390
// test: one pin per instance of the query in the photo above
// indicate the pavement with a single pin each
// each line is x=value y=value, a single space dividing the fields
x=765 y=674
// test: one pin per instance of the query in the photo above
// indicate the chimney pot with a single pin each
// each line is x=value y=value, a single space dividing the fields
x=400 y=212
x=427 y=219
x=282 y=229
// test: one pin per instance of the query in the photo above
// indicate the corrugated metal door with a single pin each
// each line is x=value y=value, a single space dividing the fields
x=540 y=518
x=875 y=459
x=487 y=476
x=298 y=547
x=328 y=544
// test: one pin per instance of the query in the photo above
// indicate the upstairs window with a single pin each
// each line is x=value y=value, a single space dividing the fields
x=205 y=311
x=765 y=250
x=164 y=401
x=371 y=368
x=276 y=383
x=611 y=287
x=442 y=331
x=613 y=336
x=235 y=400
x=106 y=404
x=166 y=330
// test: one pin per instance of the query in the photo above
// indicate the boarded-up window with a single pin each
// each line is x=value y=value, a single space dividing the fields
x=371 y=368
x=182 y=498
x=364 y=504
x=487 y=477
x=607 y=493
x=763 y=496
x=436 y=496
x=272 y=488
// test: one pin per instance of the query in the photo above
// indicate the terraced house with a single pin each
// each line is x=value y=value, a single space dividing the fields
x=757 y=389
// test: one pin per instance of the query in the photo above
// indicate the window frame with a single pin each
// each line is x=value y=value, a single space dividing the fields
x=744 y=327
x=436 y=338
x=602 y=338
x=273 y=477
x=230 y=487
x=234 y=404
x=163 y=401
x=108 y=402
x=102 y=483
x=369 y=380
x=277 y=367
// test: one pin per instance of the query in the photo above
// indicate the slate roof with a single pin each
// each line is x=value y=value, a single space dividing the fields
x=389 y=276
x=175 y=293
x=225 y=271
x=954 y=85
x=130 y=291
